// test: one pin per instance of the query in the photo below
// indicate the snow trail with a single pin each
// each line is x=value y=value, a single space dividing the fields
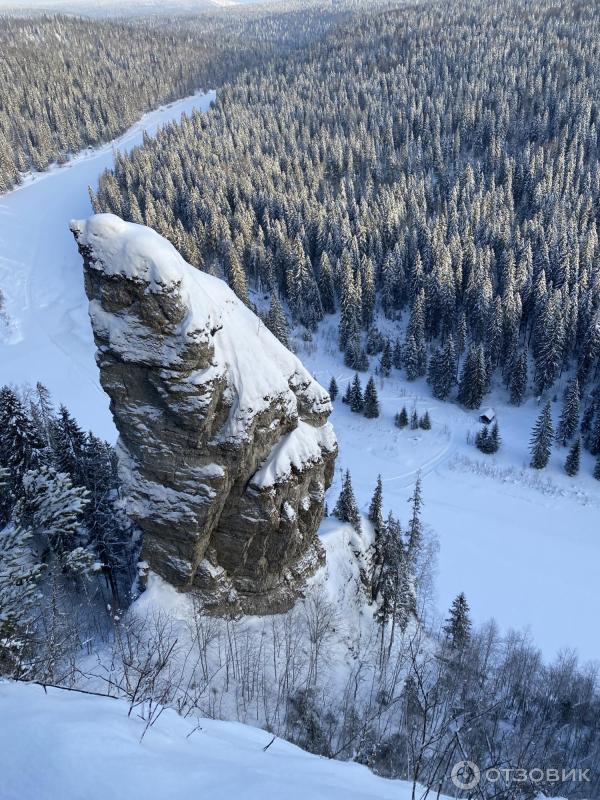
x=46 y=335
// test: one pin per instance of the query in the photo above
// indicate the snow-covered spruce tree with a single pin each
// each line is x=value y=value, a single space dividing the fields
x=356 y=399
x=393 y=588
x=348 y=326
x=109 y=532
x=548 y=344
x=541 y=439
x=368 y=292
x=302 y=291
x=276 y=321
x=347 y=394
x=597 y=469
x=473 y=381
x=415 y=526
x=458 y=625
x=590 y=349
x=414 y=355
x=413 y=359
x=593 y=440
x=482 y=439
x=375 y=341
x=68 y=443
x=488 y=439
x=518 y=379
x=7 y=500
x=397 y=354
x=326 y=286
x=425 y=422
x=376 y=518
x=371 y=402
x=20 y=575
x=442 y=369
x=401 y=418
x=235 y=274
x=346 y=508
x=333 y=388
x=355 y=356
x=385 y=362
x=20 y=444
x=52 y=508
x=495 y=438
x=569 y=419
x=376 y=505
x=573 y=459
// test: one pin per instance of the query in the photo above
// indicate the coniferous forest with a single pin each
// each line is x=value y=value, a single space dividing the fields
x=67 y=83
x=445 y=172
x=407 y=195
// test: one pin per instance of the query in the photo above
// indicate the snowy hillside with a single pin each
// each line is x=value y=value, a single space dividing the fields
x=176 y=758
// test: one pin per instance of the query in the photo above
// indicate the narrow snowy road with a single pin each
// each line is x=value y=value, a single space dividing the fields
x=45 y=334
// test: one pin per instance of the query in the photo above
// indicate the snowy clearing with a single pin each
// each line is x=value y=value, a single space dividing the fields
x=87 y=746
x=523 y=545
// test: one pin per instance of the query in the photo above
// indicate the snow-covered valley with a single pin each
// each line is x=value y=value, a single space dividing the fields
x=44 y=327
x=523 y=546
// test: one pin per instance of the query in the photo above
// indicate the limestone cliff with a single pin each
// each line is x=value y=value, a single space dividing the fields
x=225 y=450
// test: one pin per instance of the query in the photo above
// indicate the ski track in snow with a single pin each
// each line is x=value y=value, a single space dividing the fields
x=45 y=334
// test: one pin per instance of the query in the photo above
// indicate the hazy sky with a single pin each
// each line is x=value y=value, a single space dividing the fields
x=123 y=6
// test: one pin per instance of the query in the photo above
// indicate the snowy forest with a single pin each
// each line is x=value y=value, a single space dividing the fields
x=415 y=187
x=69 y=83
x=404 y=699
x=442 y=172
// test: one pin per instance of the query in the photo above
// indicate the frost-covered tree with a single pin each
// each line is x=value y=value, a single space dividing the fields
x=488 y=439
x=473 y=381
x=518 y=379
x=415 y=525
x=20 y=575
x=333 y=388
x=371 y=401
x=442 y=370
x=425 y=422
x=569 y=419
x=346 y=508
x=393 y=587
x=52 y=508
x=541 y=439
x=276 y=321
x=385 y=362
x=19 y=441
x=401 y=418
x=458 y=625
x=376 y=505
x=573 y=459
x=355 y=398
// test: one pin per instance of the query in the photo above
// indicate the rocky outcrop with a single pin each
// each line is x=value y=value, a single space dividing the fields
x=225 y=450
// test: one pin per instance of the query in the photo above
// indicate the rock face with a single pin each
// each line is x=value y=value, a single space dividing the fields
x=225 y=450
